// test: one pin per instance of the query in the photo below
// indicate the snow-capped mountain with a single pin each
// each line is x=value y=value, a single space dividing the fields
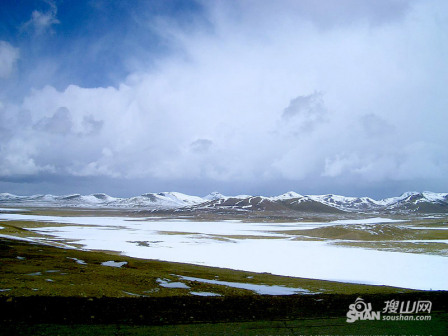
x=417 y=202
x=425 y=202
x=286 y=202
x=347 y=203
x=164 y=200
x=285 y=196
x=214 y=196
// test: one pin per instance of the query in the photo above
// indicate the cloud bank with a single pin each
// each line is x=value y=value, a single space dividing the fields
x=253 y=97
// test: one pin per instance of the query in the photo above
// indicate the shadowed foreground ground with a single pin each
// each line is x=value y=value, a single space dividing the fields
x=243 y=315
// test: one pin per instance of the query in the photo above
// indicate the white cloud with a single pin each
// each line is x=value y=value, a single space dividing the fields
x=261 y=96
x=8 y=58
x=59 y=123
x=41 y=22
x=304 y=113
x=201 y=145
x=17 y=159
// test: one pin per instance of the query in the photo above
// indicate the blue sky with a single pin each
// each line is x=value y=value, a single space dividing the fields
x=88 y=43
x=244 y=97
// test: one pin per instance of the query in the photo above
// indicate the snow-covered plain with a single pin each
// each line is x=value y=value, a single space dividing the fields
x=232 y=244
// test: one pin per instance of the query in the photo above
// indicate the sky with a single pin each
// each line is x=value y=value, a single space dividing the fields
x=242 y=97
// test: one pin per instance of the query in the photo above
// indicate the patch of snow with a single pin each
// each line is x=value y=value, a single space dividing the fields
x=167 y=284
x=40 y=240
x=259 y=289
x=132 y=294
x=17 y=238
x=112 y=263
x=205 y=294
x=78 y=261
x=35 y=273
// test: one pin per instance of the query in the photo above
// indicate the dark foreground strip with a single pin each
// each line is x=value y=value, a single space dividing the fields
x=186 y=310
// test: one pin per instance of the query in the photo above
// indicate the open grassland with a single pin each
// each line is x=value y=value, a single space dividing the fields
x=423 y=236
x=30 y=269
x=41 y=264
x=55 y=291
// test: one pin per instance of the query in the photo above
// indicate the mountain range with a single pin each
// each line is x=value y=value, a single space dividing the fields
x=409 y=202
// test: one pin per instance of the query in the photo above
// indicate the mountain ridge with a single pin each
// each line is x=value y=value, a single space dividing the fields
x=424 y=202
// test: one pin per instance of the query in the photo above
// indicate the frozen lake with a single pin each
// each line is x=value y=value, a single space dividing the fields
x=257 y=247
